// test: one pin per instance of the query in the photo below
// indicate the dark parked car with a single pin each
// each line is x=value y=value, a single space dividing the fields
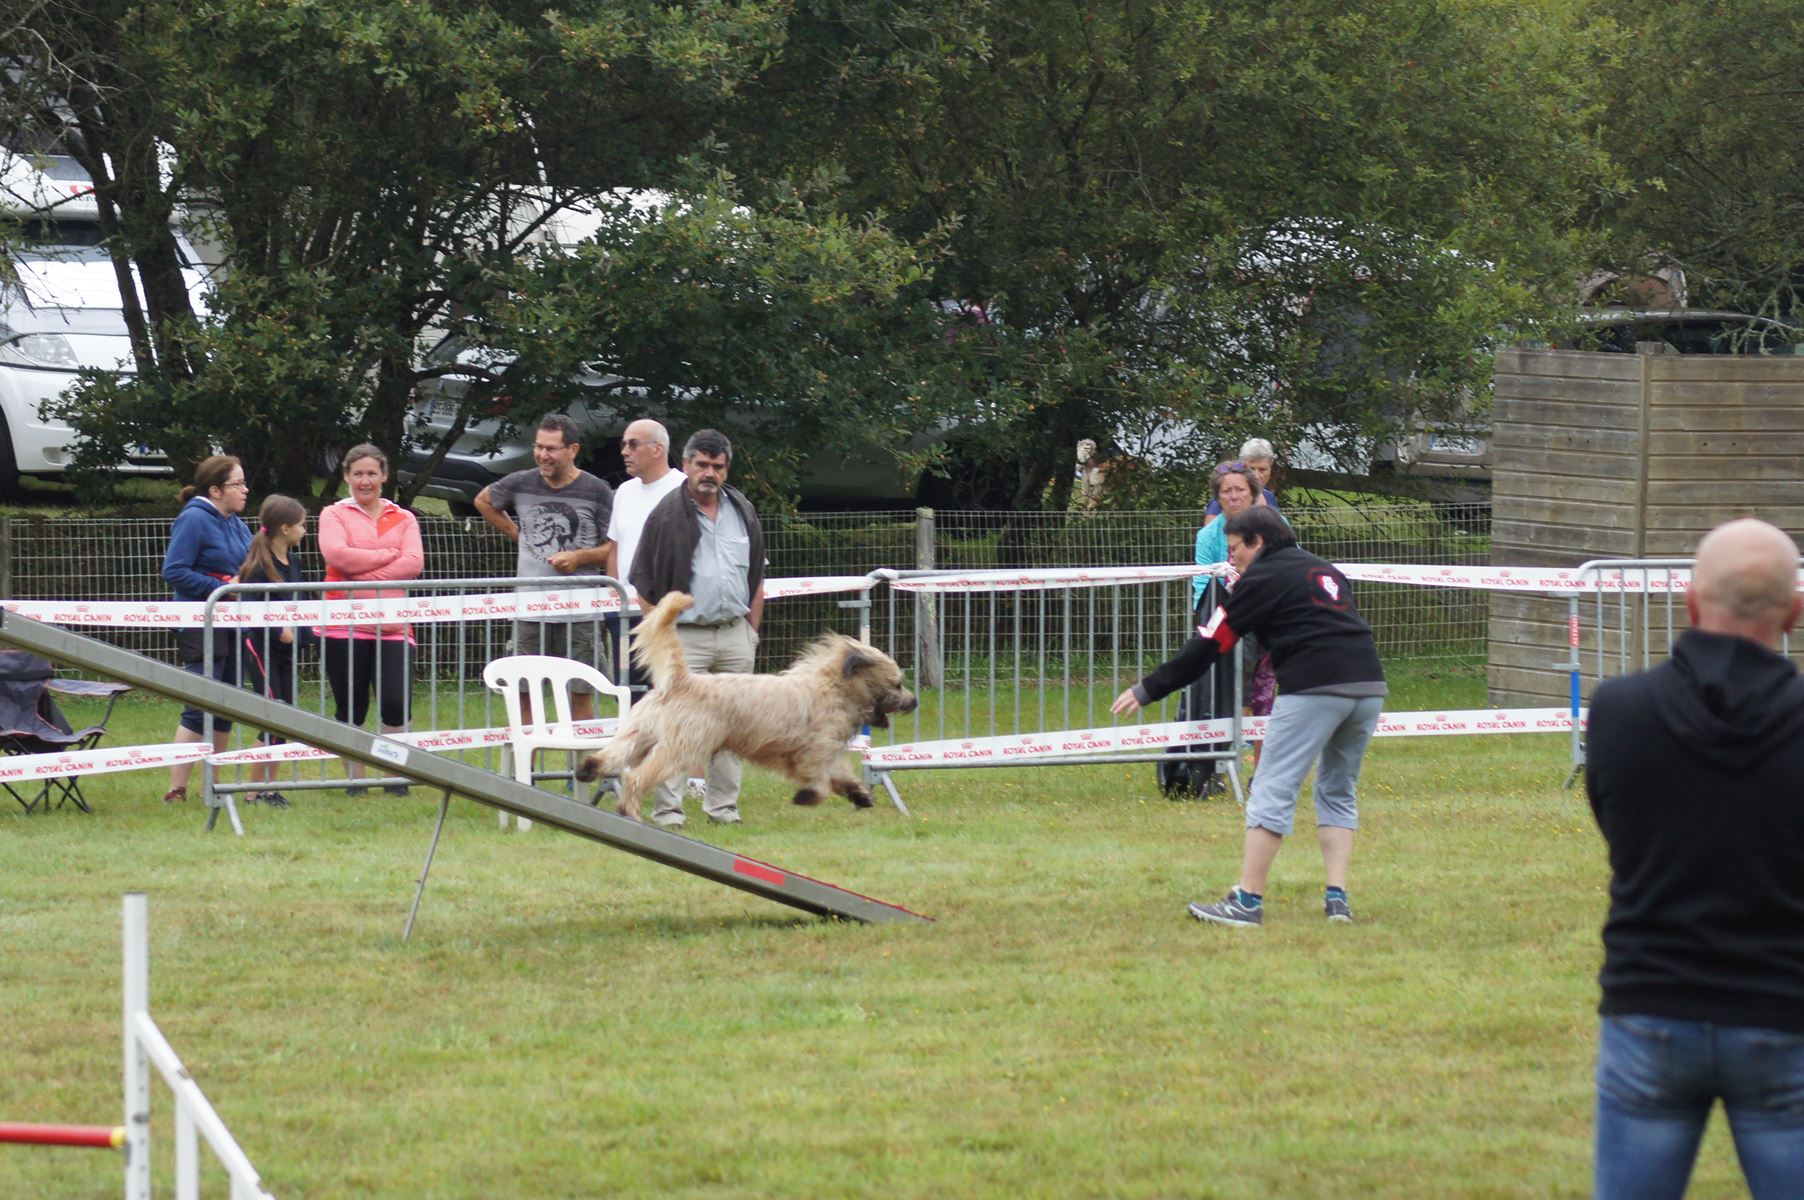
x=479 y=456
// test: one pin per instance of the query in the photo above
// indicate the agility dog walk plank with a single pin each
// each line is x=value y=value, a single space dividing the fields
x=449 y=775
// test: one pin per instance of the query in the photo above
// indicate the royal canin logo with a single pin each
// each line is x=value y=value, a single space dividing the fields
x=1331 y=587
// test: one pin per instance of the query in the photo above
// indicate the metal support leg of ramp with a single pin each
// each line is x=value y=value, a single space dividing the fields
x=448 y=775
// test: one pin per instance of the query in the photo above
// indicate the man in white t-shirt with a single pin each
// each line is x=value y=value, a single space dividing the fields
x=645 y=449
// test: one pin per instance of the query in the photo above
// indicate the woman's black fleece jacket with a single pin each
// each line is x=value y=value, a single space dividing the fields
x=1301 y=608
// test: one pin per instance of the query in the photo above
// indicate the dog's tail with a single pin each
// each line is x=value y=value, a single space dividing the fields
x=655 y=645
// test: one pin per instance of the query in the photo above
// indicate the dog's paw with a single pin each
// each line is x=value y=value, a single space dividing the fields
x=589 y=769
x=628 y=810
x=859 y=795
x=807 y=797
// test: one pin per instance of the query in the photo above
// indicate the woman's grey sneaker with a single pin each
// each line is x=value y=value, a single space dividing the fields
x=1228 y=911
x=1337 y=909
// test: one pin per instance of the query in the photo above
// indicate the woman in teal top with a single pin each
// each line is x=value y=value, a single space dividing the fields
x=1236 y=489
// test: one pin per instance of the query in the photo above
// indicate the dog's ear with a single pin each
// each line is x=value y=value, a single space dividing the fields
x=856 y=662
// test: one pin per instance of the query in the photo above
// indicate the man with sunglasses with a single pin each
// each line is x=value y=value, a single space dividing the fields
x=645 y=449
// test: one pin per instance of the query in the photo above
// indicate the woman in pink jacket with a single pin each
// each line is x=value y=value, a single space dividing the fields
x=366 y=537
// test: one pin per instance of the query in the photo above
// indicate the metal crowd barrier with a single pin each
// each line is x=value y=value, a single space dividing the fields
x=994 y=658
x=985 y=656
x=1623 y=617
x=445 y=689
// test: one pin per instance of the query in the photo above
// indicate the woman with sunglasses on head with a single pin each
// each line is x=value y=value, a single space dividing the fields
x=1236 y=487
x=1256 y=453
x=207 y=542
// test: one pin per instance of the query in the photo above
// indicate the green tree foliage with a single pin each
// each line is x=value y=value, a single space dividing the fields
x=84 y=78
x=367 y=168
x=1703 y=107
x=794 y=329
x=1196 y=219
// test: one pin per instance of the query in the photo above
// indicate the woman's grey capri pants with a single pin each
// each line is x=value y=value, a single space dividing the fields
x=1301 y=729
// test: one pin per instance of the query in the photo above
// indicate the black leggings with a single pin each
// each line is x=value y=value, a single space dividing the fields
x=352 y=669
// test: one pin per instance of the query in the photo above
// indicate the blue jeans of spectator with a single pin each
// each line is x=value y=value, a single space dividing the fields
x=1657 y=1079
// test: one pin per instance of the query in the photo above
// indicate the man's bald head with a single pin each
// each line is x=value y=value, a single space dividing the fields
x=1745 y=581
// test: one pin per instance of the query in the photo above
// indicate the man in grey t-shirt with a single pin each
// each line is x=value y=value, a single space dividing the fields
x=558 y=515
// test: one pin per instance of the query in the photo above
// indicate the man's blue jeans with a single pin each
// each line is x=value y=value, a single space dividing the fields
x=1656 y=1080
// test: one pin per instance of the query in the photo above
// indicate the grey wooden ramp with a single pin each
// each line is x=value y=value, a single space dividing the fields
x=448 y=775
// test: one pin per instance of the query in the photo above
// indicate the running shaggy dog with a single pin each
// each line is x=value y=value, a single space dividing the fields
x=796 y=723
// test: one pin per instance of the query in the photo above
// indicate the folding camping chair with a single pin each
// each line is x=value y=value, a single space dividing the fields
x=31 y=723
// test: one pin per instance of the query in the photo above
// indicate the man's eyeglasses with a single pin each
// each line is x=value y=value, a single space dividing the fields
x=634 y=443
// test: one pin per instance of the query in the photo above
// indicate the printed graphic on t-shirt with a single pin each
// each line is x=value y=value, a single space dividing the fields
x=550 y=527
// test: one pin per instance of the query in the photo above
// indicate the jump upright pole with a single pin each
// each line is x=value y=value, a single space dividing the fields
x=450 y=775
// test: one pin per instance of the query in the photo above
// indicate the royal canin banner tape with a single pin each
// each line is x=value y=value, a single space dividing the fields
x=1116 y=739
x=1024 y=747
x=529 y=604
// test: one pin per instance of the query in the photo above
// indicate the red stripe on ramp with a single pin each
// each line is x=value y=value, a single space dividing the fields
x=758 y=870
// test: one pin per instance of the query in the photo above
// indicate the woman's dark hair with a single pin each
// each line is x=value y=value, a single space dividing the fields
x=1264 y=524
x=1223 y=470
x=276 y=512
x=212 y=473
x=360 y=451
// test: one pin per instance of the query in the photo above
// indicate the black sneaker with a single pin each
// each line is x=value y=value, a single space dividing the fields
x=273 y=799
x=1336 y=908
x=1228 y=911
x=395 y=789
x=357 y=789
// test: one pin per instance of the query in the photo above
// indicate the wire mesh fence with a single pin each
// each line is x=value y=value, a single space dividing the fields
x=121 y=559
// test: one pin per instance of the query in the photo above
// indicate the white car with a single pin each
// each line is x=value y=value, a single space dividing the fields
x=60 y=312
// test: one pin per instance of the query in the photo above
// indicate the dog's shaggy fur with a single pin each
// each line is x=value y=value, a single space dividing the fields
x=796 y=723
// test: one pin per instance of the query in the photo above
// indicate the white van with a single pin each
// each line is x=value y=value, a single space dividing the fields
x=60 y=312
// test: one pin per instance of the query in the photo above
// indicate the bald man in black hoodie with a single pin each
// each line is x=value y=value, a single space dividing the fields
x=1695 y=772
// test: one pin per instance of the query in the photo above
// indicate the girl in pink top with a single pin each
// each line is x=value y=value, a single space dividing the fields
x=365 y=537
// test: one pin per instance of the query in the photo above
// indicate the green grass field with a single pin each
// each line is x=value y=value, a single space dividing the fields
x=569 y=1021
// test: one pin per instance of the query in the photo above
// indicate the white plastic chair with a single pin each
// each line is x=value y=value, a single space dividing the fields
x=539 y=674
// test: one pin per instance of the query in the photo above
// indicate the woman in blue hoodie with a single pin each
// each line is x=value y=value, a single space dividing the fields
x=206 y=544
